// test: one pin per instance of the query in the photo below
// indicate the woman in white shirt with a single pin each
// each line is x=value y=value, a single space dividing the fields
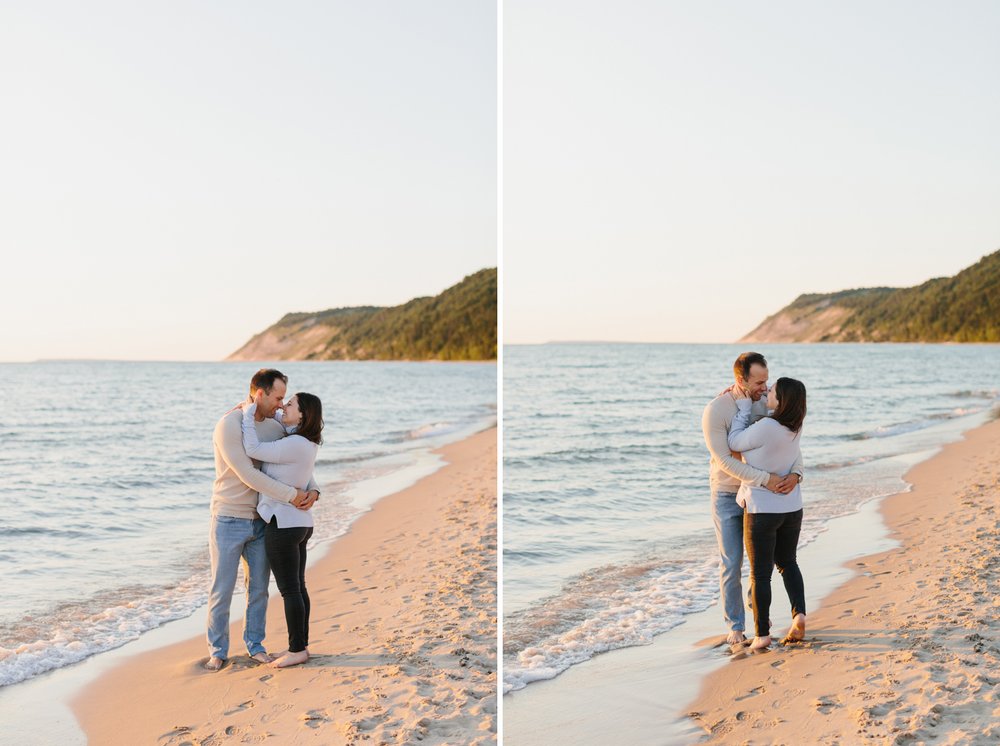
x=290 y=460
x=771 y=522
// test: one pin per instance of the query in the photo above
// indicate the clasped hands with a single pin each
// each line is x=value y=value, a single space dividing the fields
x=305 y=500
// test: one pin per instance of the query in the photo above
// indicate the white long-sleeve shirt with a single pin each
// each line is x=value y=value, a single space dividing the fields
x=289 y=460
x=772 y=447
x=725 y=470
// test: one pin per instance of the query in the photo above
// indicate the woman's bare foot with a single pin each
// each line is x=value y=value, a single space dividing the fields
x=291 y=659
x=262 y=658
x=797 y=632
x=761 y=643
x=214 y=664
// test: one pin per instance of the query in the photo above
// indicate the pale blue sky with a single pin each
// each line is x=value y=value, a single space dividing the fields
x=177 y=176
x=677 y=171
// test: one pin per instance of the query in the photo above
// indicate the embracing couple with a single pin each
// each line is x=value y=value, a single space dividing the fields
x=261 y=516
x=752 y=433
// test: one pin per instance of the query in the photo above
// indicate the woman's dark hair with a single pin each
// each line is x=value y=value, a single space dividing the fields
x=791 y=403
x=310 y=426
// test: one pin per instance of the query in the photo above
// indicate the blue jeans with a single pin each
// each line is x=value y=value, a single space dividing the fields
x=230 y=541
x=727 y=516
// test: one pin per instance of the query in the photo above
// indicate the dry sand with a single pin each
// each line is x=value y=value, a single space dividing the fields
x=403 y=637
x=908 y=651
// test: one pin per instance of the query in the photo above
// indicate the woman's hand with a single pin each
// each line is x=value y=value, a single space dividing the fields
x=738 y=392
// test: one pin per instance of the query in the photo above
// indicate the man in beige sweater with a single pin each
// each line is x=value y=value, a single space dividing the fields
x=726 y=472
x=237 y=532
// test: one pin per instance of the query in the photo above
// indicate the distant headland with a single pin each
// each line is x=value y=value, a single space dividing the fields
x=458 y=324
x=963 y=308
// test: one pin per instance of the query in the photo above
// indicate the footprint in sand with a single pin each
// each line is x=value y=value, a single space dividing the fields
x=179 y=731
x=241 y=707
x=752 y=693
x=826 y=704
x=315 y=718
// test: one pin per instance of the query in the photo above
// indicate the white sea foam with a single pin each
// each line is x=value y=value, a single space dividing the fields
x=622 y=617
x=432 y=431
x=79 y=633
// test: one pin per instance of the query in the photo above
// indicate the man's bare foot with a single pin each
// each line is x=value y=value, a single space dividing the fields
x=797 y=632
x=736 y=641
x=291 y=659
x=761 y=643
x=261 y=658
x=214 y=664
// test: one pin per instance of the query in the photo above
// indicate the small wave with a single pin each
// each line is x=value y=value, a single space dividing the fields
x=354 y=458
x=606 y=609
x=980 y=394
x=902 y=428
x=601 y=454
x=76 y=631
x=844 y=464
x=431 y=431
x=49 y=533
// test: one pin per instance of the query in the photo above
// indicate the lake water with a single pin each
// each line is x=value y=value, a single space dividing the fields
x=106 y=472
x=607 y=533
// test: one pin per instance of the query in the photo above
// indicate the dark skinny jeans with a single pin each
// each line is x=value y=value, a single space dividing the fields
x=771 y=539
x=286 y=553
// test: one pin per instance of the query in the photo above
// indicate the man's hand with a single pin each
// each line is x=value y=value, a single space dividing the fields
x=736 y=454
x=307 y=502
x=782 y=485
x=788 y=483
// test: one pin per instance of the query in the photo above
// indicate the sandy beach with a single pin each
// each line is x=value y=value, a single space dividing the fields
x=908 y=650
x=902 y=634
x=403 y=638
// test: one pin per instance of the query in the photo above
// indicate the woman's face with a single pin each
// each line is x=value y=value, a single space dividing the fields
x=772 y=398
x=292 y=414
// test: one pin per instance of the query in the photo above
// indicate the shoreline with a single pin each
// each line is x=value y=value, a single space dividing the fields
x=125 y=621
x=46 y=698
x=908 y=648
x=642 y=693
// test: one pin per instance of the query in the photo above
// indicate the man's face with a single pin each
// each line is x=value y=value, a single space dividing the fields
x=756 y=383
x=270 y=401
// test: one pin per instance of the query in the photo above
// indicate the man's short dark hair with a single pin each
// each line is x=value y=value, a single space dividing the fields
x=741 y=368
x=264 y=379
